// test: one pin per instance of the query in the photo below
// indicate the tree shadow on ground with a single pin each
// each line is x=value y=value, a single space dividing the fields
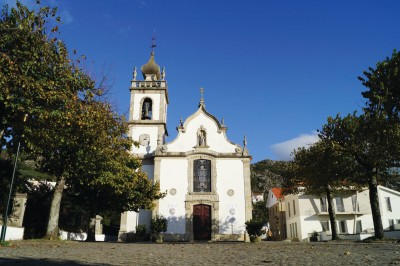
x=42 y=262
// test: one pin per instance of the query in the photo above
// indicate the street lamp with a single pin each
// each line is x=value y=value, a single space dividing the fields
x=4 y=227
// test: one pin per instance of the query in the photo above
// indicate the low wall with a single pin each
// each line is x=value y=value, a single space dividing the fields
x=361 y=236
x=82 y=236
x=14 y=233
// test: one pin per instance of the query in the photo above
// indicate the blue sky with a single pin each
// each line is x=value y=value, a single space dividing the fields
x=275 y=70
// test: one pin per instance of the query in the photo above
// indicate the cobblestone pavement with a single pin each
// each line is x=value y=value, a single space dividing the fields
x=45 y=253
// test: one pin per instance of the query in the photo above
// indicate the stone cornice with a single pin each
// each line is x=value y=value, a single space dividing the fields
x=160 y=153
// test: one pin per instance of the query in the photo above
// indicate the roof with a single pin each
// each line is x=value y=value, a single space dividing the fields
x=277 y=192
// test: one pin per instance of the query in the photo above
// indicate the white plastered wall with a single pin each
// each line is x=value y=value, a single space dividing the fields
x=217 y=142
x=231 y=208
x=394 y=203
x=307 y=207
x=151 y=131
x=173 y=175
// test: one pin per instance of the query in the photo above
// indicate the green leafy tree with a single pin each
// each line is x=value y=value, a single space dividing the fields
x=371 y=148
x=260 y=212
x=320 y=170
x=78 y=139
x=38 y=79
x=383 y=88
x=373 y=138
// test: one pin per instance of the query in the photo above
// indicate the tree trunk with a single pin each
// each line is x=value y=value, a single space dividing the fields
x=91 y=230
x=332 y=213
x=52 y=226
x=376 y=212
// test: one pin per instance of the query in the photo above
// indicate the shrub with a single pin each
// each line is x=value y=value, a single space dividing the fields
x=141 y=230
x=254 y=228
x=158 y=224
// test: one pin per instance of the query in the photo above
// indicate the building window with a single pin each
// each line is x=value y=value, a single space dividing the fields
x=356 y=206
x=294 y=208
x=339 y=204
x=391 y=224
x=359 y=227
x=288 y=207
x=293 y=230
x=388 y=204
x=323 y=204
x=147 y=109
x=325 y=226
x=202 y=176
x=342 y=227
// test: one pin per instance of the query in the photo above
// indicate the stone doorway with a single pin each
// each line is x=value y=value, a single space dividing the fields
x=202 y=222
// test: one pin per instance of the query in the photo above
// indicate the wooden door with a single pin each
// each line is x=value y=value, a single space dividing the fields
x=202 y=222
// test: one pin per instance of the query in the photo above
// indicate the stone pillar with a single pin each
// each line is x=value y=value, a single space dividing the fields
x=128 y=224
x=17 y=216
x=98 y=228
x=247 y=192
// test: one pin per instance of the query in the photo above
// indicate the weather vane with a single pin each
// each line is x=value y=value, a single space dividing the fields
x=153 y=41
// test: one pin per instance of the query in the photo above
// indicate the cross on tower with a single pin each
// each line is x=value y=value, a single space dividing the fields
x=153 y=42
x=202 y=97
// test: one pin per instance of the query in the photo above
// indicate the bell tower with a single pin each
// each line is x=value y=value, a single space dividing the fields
x=148 y=126
x=148 y=109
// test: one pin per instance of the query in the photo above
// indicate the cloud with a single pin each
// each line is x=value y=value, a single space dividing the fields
x=283 y=150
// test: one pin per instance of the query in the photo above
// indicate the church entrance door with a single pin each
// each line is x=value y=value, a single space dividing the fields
x=202 y=222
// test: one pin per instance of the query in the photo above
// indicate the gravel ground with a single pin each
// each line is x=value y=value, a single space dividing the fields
x=42 y=252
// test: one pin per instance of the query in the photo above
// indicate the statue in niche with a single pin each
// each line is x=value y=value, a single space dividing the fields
x=201 y=138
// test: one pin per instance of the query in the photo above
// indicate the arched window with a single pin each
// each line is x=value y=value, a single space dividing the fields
x=147 y=109
x=202 y=176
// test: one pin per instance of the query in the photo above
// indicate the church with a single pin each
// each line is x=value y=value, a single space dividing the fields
x=205 y=176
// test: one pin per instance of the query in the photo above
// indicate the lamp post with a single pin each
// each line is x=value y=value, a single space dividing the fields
x=5 y=217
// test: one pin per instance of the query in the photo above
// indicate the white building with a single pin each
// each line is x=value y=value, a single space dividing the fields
x=206 y=177
x=306 y=214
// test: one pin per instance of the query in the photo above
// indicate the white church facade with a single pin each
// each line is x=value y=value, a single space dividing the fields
x=205 y=176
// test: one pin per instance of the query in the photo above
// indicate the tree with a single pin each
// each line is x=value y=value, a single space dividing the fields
x=383 y=88
x=373 y=138
x=107 y=176
x=372 y=150
x=320 y=169
x=75 y=136
x=37 y=74
x=37 y=79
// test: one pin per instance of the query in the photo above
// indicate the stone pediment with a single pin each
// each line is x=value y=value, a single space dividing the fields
x=202 y=132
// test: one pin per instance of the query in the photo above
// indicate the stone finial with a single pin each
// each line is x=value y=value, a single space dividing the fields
x=163 y=73
x=181 y=122
x=244 y=142
x=222 y=122
x=134 y=73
